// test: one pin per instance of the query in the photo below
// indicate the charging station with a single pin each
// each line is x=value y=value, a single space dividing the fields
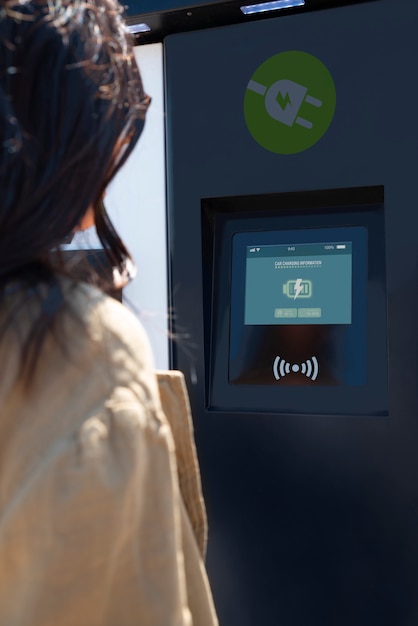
x=292 y=152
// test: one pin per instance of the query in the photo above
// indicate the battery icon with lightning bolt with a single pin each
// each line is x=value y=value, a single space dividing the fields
x=298 y=288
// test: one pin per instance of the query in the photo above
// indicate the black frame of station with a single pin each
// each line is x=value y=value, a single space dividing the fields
x=165 y=21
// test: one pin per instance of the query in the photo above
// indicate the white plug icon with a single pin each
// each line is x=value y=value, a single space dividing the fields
x=283 y=101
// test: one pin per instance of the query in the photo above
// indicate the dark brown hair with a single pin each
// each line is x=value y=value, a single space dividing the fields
x=72 y=107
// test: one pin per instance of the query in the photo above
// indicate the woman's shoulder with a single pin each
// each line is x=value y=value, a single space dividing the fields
x=95 y=364
x=111 y=341
x=107 y=321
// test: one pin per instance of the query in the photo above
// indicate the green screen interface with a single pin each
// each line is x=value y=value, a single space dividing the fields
x=303 y=283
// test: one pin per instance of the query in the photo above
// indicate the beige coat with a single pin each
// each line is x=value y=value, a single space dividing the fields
x=102 y=521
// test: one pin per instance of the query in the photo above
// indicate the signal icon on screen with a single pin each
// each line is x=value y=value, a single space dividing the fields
x=281 y=368
x=310 y=368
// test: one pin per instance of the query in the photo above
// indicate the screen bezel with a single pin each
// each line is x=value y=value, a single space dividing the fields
x=221 y=219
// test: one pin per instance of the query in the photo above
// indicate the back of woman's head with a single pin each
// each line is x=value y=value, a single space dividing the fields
x=71 y=100
x=71 y=109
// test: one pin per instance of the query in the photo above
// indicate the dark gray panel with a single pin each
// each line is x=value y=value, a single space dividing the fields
x=136 y=7
x=312 y=519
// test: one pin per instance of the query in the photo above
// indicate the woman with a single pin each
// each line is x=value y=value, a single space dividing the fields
x=95 y=527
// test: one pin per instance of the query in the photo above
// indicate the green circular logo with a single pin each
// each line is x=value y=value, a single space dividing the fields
x=289 y=102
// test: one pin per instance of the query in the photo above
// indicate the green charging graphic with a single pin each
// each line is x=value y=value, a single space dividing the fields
x=298 y=288
x=289 y=102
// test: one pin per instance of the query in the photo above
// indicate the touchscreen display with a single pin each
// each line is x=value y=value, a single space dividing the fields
x=299 y=283
x=298 y=307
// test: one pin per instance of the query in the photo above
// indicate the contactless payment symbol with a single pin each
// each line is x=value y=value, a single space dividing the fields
x=289 y=102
